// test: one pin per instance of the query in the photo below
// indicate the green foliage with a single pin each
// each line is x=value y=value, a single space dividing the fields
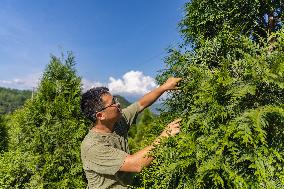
x=45 y=135
x=140 y=133
x=16 y=169
x=231 y=102
x=254 y=18
x=11 y=99
x=3 y=134
x=143 y=134
x=233 y=124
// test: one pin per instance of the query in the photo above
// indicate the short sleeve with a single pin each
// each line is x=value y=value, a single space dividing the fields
x=130 y=113
x=104 y=159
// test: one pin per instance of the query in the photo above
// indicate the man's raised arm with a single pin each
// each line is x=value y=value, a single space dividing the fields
x=151 y=97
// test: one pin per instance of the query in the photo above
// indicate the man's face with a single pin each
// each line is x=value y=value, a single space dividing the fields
x=112 y=108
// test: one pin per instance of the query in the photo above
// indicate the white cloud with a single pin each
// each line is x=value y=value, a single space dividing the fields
x=28 y=82
x=132 y=83
x=87 y=84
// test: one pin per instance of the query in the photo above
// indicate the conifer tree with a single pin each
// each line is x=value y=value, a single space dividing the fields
x=45 y=135
x=3 y=134
x=231 y=99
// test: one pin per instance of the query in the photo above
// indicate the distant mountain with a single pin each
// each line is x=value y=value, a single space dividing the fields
x=11 y=99
x=123 y=102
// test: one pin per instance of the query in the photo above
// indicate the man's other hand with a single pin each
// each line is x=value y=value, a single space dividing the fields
x=172 y=128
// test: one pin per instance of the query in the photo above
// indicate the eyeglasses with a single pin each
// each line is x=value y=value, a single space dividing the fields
x=113 y=102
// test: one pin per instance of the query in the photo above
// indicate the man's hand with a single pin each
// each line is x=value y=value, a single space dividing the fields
x=171 y=83
x=172 y=128
x=141 y=159
x=151 y=97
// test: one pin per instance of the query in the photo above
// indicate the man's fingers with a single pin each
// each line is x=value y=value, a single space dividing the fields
x=178 y=79
x=177 y=120
x=172 y=83
x=177 y=83
x=175 y=125
x=173 y=128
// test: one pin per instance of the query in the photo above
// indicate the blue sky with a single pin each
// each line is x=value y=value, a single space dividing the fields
x=119 y=44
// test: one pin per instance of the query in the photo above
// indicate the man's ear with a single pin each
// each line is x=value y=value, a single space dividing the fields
x=100 y=116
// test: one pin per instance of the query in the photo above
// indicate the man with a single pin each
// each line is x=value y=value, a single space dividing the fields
x=106 y=159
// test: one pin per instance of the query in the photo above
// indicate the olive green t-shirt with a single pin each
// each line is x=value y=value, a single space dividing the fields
x=104 y=153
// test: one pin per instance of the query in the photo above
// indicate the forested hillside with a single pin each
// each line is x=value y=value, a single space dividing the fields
x=123 y=102
x=11 y=99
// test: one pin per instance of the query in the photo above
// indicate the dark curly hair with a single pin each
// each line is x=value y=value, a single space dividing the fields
x=92 y=102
